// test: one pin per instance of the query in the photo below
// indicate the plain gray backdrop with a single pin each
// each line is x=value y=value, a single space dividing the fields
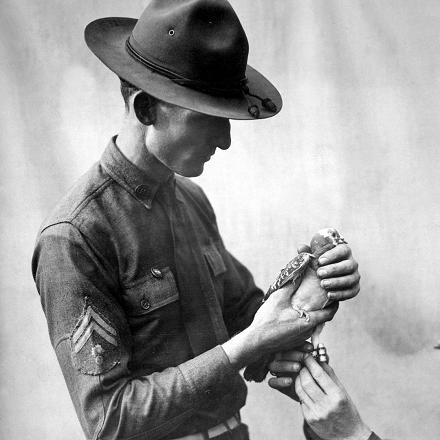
x=356 y=147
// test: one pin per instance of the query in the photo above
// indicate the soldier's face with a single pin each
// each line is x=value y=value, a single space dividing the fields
x=183 y=140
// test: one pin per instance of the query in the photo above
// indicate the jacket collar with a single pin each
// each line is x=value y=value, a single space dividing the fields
x=141 y=184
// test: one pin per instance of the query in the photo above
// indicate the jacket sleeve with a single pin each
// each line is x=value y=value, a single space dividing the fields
x=310 y=435
x=91 y=337
x=242 y=297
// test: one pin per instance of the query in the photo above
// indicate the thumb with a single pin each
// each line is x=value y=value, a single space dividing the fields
x=323 y=315
x=284 y=293
x=331 y=373
x=280 y=296
x=304 y=248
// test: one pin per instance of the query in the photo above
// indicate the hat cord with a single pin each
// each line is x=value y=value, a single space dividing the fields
x=253 y=109
x=201 y=86
x=236 y=89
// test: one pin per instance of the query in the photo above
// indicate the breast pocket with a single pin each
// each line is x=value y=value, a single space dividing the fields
x=153 y=313
x=155 y=291
x=214 y=259
x=216 y=267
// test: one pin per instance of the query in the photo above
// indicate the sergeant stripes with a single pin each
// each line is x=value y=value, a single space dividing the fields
x=92 y=322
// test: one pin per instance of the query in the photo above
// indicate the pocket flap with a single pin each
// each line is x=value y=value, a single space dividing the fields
x=152 y=293
x=214 y=259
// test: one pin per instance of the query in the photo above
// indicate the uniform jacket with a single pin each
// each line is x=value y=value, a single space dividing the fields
x=139 y=292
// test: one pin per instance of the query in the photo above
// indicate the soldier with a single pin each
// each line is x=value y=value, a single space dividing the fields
x=150 y=316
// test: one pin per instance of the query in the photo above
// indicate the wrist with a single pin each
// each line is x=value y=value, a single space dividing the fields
x=241 y=349
x=362 y=433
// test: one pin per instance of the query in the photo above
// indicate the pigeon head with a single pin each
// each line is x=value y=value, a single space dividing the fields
x=324 y=240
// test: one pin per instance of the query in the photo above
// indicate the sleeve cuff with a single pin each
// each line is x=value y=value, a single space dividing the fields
x=310 y=435
x=209 y=374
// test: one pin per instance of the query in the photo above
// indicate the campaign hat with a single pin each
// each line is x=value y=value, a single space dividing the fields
x=191 y=53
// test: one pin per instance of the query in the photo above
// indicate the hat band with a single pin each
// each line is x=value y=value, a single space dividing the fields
x=235 y=89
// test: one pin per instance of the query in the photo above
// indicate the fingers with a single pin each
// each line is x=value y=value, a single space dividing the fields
x=342 y=295
x=345 y=267
x=307 y=347
x=280 y=383
x=329 y=370
x=304 y=248
x=340 y=279
x=293 y=354
x=310 y=386
x=341 y=283
x=338 y=253
x=324 y=315
x=302 y=395
x=285 y=367
x=319 y=374
x=290 y=361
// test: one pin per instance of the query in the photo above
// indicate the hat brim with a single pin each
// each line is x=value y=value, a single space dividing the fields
x=106 y=38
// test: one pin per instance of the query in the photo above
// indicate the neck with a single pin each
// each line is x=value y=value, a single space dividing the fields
x=131 y=143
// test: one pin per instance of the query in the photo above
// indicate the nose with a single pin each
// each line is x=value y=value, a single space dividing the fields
x=224 y=134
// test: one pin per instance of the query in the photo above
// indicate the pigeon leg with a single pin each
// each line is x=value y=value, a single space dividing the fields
x=315 y=335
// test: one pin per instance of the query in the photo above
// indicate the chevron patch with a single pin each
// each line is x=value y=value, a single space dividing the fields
x=95 y=346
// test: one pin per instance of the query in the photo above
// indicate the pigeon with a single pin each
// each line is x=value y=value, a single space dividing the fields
x=301 y=271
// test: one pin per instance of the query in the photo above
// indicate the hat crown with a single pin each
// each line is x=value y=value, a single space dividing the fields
x=200 y=40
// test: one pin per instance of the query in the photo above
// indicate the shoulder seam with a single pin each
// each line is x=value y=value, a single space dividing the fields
x=68 y=222
x=69 y=218
x=87 y=240
x=87 y=200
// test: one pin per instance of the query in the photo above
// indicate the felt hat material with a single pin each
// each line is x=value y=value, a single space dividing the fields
x=191 y=53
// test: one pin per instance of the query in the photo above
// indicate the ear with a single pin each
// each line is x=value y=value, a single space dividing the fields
x=144 y=108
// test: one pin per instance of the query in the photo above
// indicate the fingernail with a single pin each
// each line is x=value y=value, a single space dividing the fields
x=288 y=381
x=321 y=273
x=325 y=284
x=323 y=260
x=330 y=295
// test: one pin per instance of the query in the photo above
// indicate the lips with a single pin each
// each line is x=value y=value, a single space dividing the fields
x=206 y=157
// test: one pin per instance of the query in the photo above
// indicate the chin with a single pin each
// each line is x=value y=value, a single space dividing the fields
x=191 y=172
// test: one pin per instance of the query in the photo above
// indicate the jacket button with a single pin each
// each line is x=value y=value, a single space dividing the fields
x=145 y=304
x=156 y=273
x=141 y=190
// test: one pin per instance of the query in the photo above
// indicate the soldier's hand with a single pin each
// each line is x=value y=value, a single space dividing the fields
x=279 y=327
x=326 y=406
x=276 y=327
x=285 y=367
x=339 y=274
